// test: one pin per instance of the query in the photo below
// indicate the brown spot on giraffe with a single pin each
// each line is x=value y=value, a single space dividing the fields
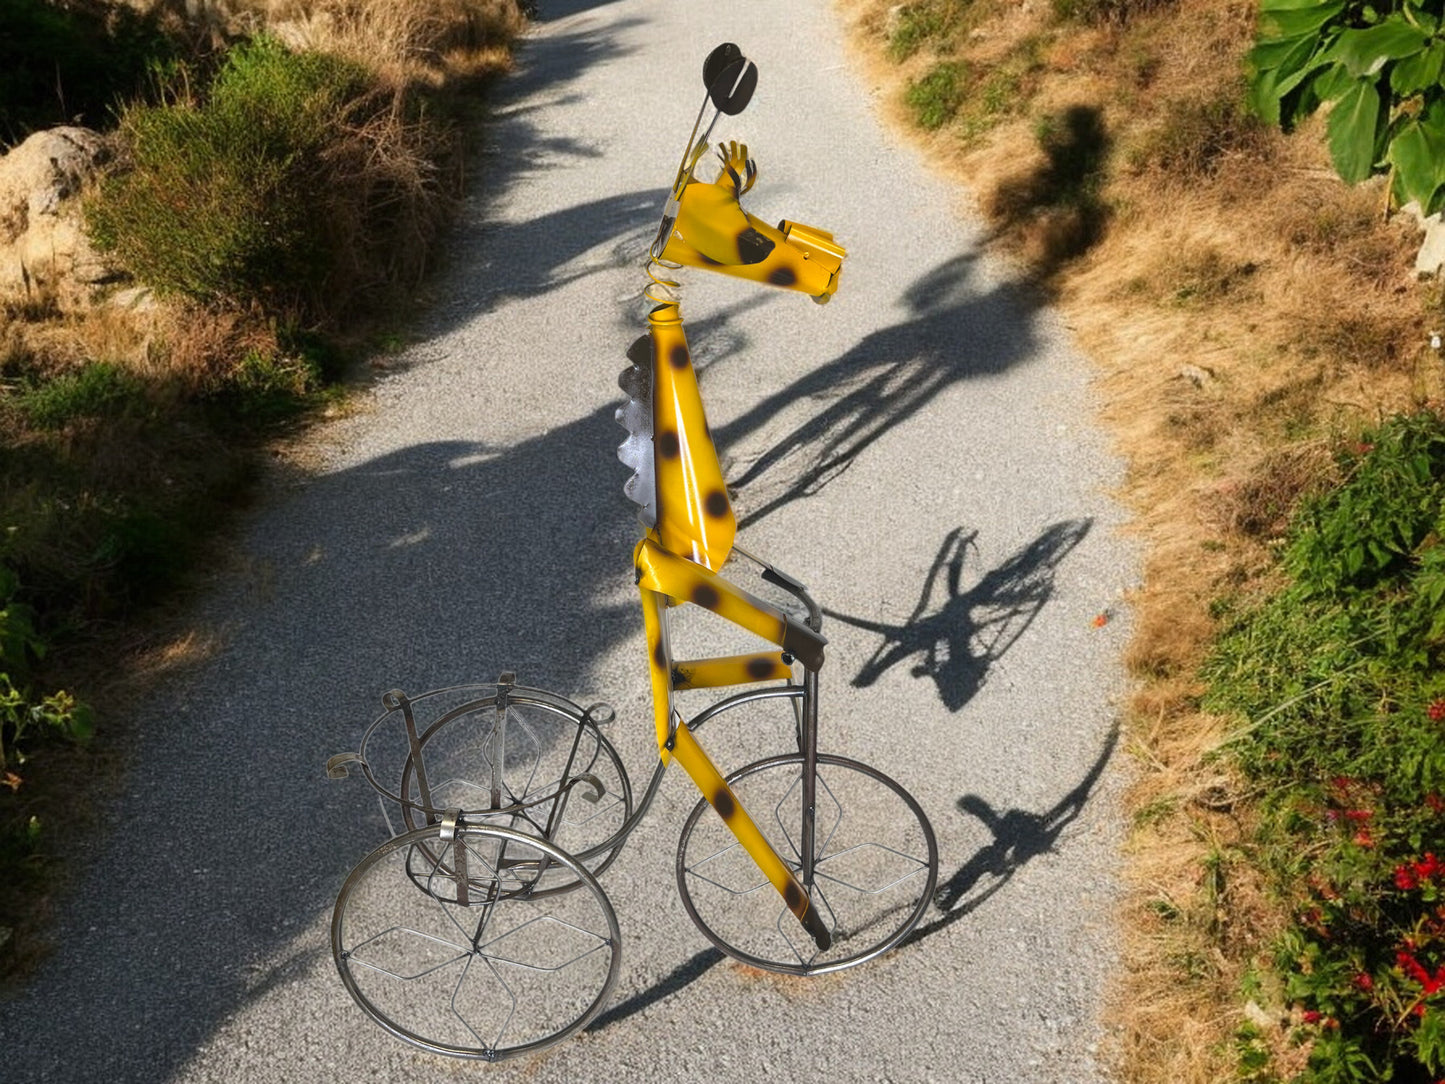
x=761 y=668
x=722 y=801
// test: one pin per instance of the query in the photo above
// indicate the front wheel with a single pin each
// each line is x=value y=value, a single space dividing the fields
x=876 y=865
x=458 y=941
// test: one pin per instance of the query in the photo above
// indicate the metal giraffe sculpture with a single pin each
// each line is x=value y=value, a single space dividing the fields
x=678 y=481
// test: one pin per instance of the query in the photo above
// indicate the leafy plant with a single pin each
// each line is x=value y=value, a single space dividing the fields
x=1341 y=678
x=22 y=713
x=1378 y=65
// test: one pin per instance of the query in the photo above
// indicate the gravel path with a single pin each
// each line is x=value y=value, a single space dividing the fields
x=921 y=452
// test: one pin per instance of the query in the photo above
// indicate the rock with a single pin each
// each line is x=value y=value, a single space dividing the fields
x=1431 y=257
x=1198 y=375
x=44 y=251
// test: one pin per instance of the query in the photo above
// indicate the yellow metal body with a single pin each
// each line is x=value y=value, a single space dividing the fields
x=679 y=561
x=694 y=516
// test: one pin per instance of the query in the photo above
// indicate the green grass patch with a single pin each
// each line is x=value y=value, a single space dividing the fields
x=932 y=24
x=975 y=98
x=98 y=390
x=936 y=96
x=1338 y=682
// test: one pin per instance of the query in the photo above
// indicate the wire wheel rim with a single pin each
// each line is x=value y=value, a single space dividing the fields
x=928 y=866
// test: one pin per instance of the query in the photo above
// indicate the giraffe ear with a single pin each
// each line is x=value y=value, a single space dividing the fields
x=730 y=78
x=725 y=54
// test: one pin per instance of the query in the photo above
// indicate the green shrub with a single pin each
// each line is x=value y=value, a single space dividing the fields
x=934 y=23
x=285 y=186
x=1340 y=677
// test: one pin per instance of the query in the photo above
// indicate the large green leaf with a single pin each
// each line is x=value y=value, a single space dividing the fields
x=1418 y=154
x=1279 y=67
x=1353 y=127
x=1282 y=54
x=1298 y=19
x=1419 y=72
x=1365 y=52
x=1287 y=5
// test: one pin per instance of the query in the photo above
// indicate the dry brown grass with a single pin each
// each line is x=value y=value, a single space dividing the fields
x=1244 y=311
x=405 y=40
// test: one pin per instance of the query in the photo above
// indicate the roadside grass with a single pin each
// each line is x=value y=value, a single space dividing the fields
x=1252 y=320
x=277 y=196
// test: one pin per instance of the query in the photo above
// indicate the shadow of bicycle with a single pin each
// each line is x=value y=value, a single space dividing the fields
x=960 y=636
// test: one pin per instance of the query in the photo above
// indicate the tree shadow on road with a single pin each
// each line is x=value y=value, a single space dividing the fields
x=951 y=332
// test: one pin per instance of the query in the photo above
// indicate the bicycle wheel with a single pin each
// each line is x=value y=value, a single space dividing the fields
x=475 y=959
x=875 y=870
x=558 y=777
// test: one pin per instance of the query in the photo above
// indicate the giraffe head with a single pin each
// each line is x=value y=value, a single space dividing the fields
x=711 y=230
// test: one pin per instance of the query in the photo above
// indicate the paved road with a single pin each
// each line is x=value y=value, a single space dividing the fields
x=921 y=452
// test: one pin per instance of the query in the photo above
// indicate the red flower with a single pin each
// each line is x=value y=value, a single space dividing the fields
x=1359 y=816
x=1363 y=838
x=1310 y=1016
x=1364 y=982
x=1416 y=970
x=1405 y=879
x=1436 y=710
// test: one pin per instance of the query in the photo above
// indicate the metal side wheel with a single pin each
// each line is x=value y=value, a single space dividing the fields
x=876 y=865
x=454 y=938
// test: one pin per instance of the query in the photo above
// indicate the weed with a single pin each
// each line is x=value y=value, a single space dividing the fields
x=95 y=391
x=1096 y=12
x=1196 y=135
x=917 y=24
x=934 y=23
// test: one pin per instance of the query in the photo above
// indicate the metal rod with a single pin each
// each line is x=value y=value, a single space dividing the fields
x=810 y=771
x=413 y=741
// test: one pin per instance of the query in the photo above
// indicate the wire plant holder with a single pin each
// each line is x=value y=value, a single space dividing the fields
x=472 y=932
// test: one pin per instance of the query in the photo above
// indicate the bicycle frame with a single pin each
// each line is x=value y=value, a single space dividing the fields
x=688 y=515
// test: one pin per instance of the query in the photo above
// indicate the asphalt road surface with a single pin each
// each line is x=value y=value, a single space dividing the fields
x=921 y=452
